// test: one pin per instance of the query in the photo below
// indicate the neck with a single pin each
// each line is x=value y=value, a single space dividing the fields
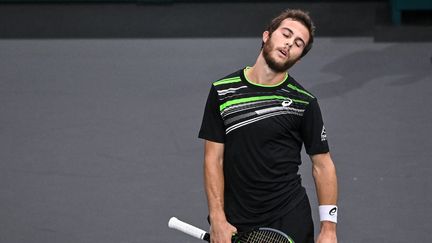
x=261 y=73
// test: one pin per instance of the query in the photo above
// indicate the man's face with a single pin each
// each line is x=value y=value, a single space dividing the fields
x=283 y=48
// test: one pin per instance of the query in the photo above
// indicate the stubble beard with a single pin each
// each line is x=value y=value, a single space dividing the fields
x=272 y=63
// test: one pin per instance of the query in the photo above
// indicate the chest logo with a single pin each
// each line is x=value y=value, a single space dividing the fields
x=287 y=102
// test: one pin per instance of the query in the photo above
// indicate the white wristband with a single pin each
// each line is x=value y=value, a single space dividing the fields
x=328 y=213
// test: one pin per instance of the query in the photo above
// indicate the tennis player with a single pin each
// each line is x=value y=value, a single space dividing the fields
x=255 y=122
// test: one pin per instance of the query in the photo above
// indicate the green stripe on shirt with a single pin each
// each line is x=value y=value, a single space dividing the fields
x=227 y=81
x=300 y=90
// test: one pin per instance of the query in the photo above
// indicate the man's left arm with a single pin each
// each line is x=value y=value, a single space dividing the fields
x=324 y=174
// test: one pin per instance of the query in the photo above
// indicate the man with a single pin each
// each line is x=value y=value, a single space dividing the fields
x=255 y=123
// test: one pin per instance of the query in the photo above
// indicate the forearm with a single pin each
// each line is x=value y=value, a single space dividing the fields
x=214 y=187
x=221 y=231
x=324 y=173
x=214 y=180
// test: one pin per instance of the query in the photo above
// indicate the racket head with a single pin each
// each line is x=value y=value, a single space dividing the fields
x=263 y=235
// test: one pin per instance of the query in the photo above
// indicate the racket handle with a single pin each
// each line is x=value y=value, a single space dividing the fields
x=186 y=228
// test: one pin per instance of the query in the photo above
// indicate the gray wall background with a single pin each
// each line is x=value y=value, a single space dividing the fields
x=98 y=138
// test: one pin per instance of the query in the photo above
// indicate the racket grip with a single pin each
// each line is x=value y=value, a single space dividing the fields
x=186 y=228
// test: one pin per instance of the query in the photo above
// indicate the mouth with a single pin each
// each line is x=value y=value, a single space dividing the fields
x=283 y=52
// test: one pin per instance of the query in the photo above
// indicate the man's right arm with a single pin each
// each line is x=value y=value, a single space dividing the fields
x=220 y=230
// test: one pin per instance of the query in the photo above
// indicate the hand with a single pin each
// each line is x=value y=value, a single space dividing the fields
x=221 y=232
x=327 y=233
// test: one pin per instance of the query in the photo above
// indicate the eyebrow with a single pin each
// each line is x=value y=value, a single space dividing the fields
x=288 y=29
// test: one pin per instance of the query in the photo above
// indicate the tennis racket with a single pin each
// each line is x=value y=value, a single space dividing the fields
x=261 y=235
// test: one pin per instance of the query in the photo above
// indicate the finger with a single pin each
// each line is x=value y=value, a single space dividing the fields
x=234 y=229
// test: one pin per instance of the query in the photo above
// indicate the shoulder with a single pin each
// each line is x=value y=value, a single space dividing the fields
x=299 y=91
x=228 y=80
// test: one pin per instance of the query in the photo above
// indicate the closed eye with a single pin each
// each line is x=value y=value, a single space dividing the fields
x=287 y=35
x=299 y=43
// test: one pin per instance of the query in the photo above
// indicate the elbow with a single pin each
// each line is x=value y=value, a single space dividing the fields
x=323 y=168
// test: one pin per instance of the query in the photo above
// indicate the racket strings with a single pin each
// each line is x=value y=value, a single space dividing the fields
x=264 y=237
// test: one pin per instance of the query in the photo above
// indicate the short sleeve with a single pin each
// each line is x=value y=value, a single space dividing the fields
x=212 y=126
x=313 y=131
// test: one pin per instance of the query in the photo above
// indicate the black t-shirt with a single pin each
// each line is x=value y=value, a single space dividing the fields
x=263 y=129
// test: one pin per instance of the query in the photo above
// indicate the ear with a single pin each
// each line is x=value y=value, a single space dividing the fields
x=265 y=36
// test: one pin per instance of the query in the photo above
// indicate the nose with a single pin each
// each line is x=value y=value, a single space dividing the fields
x=289 y=42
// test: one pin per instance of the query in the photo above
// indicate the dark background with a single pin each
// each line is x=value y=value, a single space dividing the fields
x=100 y=106
x=170 y=18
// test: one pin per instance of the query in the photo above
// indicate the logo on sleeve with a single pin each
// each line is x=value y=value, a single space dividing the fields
x=323 y=134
